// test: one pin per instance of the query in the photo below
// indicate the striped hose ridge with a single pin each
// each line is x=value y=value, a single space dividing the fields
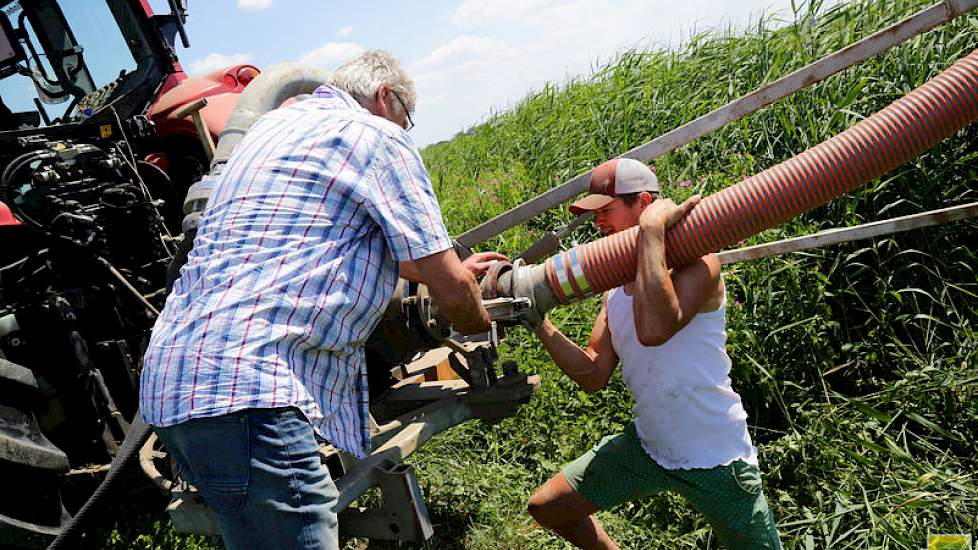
x=864 y=152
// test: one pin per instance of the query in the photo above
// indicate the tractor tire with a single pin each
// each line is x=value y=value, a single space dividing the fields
x=31 y=467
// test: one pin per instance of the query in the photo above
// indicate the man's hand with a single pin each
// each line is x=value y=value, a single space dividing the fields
x=453 y=290
x=532 y=320
x=663 y=214
x=478 y=263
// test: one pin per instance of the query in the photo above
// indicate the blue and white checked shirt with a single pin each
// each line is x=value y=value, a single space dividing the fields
x=294 y=262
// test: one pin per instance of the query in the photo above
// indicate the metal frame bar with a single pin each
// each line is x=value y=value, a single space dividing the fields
x=844 y=234
x=856 y=52
x=401 y=437
x=402 y=515
x=394 y=441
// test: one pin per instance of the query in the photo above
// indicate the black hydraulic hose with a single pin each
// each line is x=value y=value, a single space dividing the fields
x=6 y=187
x=128 y=452
x=9 y=172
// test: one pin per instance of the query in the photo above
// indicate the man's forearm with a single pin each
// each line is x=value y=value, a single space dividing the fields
x=568 y=356
x=656 y=305
x=461 y=304
x=410 y=272
x=453 y=289
x=652 y=279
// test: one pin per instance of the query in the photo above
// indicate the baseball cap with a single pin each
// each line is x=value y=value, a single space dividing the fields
x=614 y=178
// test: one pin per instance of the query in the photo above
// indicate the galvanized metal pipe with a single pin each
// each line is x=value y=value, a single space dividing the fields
x=266 y=92
x=846 y=234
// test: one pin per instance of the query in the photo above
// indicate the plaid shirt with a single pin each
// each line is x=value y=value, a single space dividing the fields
x=294 y=262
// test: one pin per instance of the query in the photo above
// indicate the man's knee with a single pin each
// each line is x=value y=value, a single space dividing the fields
x=539 y=507
x=556 y=503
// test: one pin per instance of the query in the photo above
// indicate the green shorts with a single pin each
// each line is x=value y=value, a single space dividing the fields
x=619 y=470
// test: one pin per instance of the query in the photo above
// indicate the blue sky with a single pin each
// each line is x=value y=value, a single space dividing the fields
x=468 y=57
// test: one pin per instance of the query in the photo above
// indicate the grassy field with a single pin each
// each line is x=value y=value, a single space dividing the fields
x=857 y=364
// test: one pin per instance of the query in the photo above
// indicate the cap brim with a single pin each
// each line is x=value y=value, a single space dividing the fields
x=590 y=203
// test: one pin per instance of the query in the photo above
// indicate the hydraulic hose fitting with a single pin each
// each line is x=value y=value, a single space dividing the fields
x=522 y=294
x=196 y=201
x=266 y=92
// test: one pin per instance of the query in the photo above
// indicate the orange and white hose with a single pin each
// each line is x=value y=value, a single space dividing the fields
x=864 y=152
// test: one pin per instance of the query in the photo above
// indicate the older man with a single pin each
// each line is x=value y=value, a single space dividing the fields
x=259 y=349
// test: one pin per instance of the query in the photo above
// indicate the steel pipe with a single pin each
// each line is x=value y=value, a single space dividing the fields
x=845 y=234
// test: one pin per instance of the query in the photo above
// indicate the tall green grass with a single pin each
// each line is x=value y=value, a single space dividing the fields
x=856 y=363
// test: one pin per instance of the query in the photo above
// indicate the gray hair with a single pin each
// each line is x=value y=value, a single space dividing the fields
x=362 y=76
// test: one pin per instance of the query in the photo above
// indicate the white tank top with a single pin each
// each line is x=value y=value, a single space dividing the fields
x=687 y=415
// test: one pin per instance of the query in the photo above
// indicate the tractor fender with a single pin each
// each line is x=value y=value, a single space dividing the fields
x=221 y=88
x=6 y=216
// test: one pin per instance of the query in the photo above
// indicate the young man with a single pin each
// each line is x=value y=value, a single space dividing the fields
x=668 y=330
x=260 y=346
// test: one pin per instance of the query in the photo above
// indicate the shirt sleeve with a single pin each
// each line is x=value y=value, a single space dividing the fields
x=401 y=200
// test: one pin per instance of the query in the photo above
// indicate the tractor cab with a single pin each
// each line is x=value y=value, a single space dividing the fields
x=65 y=62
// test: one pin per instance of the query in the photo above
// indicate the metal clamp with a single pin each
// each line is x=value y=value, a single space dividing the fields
x=507 y=309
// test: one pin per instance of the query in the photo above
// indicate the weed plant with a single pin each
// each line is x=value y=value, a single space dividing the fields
x=856 y=363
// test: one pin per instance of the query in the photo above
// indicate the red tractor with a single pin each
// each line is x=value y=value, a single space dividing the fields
x=96 y=158
x=106 y=158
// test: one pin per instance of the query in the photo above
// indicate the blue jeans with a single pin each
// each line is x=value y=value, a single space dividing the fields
x=259 y=471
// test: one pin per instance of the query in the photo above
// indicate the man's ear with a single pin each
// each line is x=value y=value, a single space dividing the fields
x=383 y=97
x=378 y=103
x=645 y=198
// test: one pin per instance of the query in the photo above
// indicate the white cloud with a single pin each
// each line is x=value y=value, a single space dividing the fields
x=214 y=61
x=478 y=61
x=344 y=31
x=331 y=54
x=468 y=48
x=254 y=5
x=475 y=13
x=461 y=79
x=511 y=47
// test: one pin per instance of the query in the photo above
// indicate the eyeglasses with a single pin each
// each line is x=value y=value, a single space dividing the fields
x=410 y=122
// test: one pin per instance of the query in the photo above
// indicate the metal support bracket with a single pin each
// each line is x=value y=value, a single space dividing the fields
x=189 y=513
x=402 y=516
x=475 y=364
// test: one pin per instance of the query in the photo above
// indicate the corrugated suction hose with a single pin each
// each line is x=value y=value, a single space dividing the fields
x=878 y=144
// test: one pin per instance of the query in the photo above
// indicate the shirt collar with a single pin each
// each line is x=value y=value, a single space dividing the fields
x=337 y=97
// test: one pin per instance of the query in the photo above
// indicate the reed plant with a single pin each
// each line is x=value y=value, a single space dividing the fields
x=856 y=363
